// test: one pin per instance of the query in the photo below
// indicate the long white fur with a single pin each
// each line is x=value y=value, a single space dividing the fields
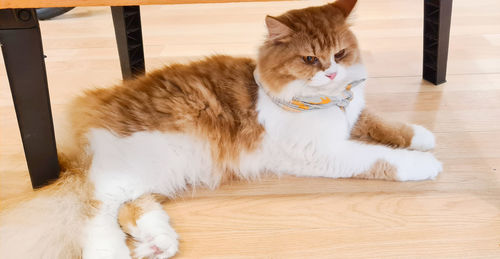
x=46 y=227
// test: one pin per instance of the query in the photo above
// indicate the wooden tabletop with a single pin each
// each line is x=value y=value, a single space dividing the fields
x=72 y=3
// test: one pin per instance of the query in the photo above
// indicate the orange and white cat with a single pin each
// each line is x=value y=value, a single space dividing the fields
x=298 y=109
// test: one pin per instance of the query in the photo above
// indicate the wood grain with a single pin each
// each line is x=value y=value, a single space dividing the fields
x=455 y=216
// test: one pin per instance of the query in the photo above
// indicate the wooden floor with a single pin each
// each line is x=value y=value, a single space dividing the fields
x=455 y=216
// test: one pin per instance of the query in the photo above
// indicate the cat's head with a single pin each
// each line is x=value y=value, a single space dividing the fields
x=310 y=51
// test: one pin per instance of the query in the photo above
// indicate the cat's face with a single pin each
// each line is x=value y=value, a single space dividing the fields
x=310 y=51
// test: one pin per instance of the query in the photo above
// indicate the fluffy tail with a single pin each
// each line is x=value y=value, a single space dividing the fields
x=48 y=223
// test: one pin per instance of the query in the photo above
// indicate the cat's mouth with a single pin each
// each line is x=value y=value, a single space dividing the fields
x=331 y=76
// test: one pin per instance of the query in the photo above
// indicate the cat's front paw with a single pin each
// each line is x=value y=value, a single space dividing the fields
x=154 y=237
x=423 y=139
x=416 y=166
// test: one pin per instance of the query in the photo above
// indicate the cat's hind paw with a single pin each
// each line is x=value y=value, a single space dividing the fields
x=423 y=139
x=159 y=247
x=154 y=238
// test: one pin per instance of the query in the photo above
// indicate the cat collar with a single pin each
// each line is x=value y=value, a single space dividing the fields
x=309 y=103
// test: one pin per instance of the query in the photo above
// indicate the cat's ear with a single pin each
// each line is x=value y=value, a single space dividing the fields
x=345 y=6
x=277 y=30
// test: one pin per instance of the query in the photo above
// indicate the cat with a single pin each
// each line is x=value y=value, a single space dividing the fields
x=297 y=109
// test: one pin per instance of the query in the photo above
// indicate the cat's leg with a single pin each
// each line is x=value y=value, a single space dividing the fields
x=147 y=226
x=373 y=129
x=103 y=237
x=359 y=160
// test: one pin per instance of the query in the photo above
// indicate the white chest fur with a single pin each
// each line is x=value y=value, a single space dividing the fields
x=293 y=139
x=317 y=127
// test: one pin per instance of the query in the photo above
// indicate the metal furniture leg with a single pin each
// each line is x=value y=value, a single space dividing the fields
x=24 y=61
x=128 y=32
x=437 y=19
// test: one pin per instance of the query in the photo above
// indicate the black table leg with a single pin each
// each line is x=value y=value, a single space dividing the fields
x=127 y=22
x=437 y=19
x=24 y=62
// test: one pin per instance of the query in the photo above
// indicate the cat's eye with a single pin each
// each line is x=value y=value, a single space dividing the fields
x=310 y=60
x=340 y=55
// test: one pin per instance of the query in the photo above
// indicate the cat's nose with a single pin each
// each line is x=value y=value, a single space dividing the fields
x=331 y=76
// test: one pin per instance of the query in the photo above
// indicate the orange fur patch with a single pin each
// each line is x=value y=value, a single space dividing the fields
x=372 y=129
x=213 y=99
x=131 y=211
x=381 y=170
